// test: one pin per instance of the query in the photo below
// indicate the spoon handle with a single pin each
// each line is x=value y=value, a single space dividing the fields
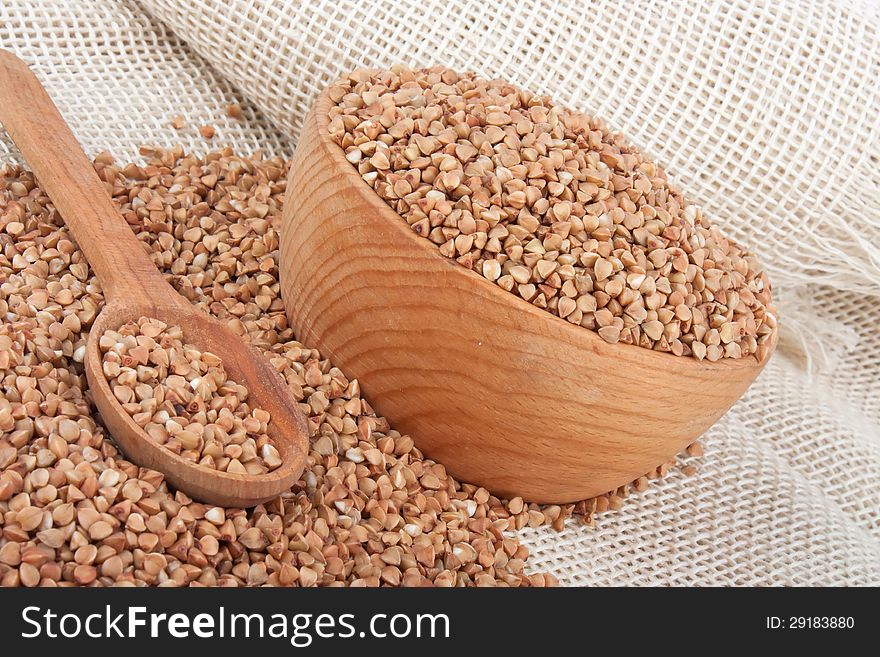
x=67 y=176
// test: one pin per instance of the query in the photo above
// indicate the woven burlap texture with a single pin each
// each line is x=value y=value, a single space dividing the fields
x=763 y=112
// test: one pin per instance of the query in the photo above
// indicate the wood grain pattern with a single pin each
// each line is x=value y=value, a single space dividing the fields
x=504 y=394
x=133 y=287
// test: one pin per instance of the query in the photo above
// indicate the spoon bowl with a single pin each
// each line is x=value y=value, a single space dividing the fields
x=504 y=394
x=134 y=288
x=244 y=365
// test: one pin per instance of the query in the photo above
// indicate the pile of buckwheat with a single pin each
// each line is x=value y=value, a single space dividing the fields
x=183 y=399
x=368 y=510
x=550 y=205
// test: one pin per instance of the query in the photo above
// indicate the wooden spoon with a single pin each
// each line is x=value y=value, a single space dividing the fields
x=133 y=287
x=502 y=393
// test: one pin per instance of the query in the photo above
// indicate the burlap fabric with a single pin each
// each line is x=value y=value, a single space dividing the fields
x=764 y=112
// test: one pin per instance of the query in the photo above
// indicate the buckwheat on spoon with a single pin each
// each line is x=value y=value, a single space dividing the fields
x=184 y=399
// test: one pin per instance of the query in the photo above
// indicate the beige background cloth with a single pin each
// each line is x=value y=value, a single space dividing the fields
x=764 y=112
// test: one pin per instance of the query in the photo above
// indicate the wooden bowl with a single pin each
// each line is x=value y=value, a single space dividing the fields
x=504 y=394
